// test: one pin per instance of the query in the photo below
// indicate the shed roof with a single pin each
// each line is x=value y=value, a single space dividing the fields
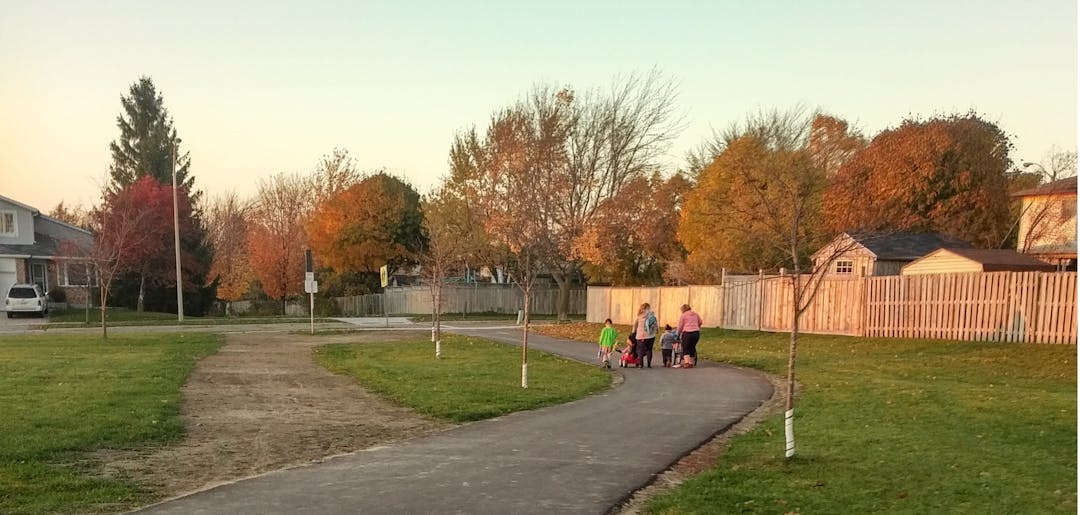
x=997 y=260
x=906 y=246
x=1058 y=187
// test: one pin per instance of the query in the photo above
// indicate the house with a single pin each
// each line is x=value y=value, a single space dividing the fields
x=949 y=261
x=33 y=248
x=1048 y=223
x=879 y=254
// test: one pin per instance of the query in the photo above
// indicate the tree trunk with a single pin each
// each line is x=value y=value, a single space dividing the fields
x=789 y=405
x=562 y=307
x=436 y=310
x=283 y=306
x=142 y=292
x=104 y=330
x=525 y=344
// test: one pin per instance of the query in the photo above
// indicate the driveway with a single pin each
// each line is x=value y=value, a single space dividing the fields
x=582 y=457
x=21 y=322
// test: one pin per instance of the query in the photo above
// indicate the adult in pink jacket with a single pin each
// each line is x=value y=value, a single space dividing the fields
x=689 y=332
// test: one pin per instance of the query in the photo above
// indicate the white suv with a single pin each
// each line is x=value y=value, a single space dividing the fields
x=26 y=298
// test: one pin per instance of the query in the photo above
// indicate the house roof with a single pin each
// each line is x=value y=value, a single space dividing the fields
x=906 y=246
x=1058 y=187
x=43 y=246
x=49 y=235
x=20 y=204
x=998 y=260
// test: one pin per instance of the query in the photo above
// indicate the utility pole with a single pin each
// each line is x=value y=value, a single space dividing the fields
x=176 y=238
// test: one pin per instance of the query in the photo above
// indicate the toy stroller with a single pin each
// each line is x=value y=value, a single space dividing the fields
x=628 y=358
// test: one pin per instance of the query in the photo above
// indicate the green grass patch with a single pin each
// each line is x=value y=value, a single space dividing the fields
x=475 y=378
x=897 y=426
x=122 y=317
x=61 y=395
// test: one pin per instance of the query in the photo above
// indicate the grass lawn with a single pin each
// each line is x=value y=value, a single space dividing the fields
x=896 y=426
x=474 y=380
x=120 y=317
x=62 y=395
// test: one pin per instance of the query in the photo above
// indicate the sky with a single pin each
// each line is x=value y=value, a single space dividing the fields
x=259 y=88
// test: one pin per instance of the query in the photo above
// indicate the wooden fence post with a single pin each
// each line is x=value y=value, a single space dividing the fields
x=864 y=309
x=723 y=299
x=761 y=297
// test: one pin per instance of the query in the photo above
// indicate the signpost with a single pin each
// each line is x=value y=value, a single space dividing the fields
x=311 y=286
x=384 y=279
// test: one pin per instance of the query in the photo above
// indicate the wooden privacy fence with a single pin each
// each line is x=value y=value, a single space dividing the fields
x=998 y=306
x=416 y=300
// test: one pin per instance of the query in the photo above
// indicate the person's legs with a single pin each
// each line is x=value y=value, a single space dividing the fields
x=690 y=345
x=649 y=351
x=666 y=353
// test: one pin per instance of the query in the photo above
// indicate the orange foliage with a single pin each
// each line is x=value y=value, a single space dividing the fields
x=943 y=175
x=276 y=239
x=372 y=223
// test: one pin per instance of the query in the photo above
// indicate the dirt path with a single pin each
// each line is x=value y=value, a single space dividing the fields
x=261 y=404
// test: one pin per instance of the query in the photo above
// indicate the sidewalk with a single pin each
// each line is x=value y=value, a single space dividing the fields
x=581 y=457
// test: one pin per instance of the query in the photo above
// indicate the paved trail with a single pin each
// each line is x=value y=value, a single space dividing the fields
x=581 y=457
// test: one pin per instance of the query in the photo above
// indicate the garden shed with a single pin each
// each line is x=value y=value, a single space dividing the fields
x=953 y=261
x=879 y=253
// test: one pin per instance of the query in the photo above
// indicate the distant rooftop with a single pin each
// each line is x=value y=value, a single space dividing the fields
x=907 y=246
x=1002 y=259
x=1067 y=185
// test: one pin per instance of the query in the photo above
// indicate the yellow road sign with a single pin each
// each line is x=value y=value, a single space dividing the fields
x=384 y=276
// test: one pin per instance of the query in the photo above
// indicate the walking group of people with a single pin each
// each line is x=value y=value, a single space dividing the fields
x=678 y=346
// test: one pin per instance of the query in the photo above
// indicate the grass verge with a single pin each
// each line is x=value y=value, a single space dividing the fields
x=68 y=394
x=121 y=317
x=475 y=378
x=895 y=426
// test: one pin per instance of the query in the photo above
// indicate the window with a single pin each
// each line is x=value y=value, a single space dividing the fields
x=844 y=267
x=1068 y=209
x=78 y=274
x=7 y=224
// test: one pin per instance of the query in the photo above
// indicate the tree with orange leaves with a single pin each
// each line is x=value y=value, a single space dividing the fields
x=373 y=223
x=227 y=229
x=276 y=238
x=947 y=175
x=633 y=239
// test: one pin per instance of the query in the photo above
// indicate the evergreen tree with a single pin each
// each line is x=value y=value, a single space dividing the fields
x=147 y=140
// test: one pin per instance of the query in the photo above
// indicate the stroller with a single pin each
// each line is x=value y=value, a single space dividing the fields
x=628 y=358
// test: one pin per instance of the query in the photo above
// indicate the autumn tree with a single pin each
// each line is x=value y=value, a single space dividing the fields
x=155 y=257
x=947 y=175
x=587 y=147
x=635 y=242
x=227 y=227
x=375 y=222
x=76 y=215
x=765 y=190
x=276 y=237
x=832 y=143
x=442 y=253
x=333 y=173
x=120 y=241
x=718 y=201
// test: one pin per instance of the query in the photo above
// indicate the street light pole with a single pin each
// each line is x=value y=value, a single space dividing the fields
x=176 y=238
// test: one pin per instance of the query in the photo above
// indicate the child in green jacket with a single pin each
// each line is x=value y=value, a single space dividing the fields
x=608 y=337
